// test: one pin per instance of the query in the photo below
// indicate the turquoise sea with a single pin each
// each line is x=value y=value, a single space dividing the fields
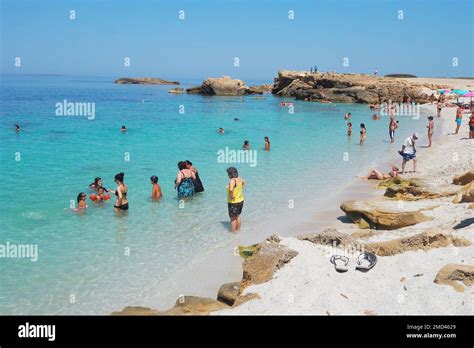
x=98 y=262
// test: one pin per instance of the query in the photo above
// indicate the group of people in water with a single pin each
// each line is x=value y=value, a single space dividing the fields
x=187 y=184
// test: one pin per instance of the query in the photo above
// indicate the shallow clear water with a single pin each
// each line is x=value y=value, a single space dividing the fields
x=84 y=255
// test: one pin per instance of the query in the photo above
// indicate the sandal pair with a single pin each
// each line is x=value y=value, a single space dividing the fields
x=365 y=262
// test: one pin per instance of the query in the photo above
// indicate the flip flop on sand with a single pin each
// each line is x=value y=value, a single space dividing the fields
x=366 y=261
x=340 y=263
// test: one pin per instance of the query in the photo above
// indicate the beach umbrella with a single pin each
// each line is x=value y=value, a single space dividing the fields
x=470 y=94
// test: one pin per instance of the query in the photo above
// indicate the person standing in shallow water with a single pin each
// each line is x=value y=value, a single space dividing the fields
x=121 y=202
x=267 y=144
x=156 y=189
x=246 y=145
x=430 y=127
x=184 y=182
x=198 y=186
x=235 y=198
x=363 y=134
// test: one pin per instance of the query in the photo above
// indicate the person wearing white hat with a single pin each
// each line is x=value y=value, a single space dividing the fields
x=408 y=151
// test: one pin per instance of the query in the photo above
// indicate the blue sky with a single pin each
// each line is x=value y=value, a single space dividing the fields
x=259 y=33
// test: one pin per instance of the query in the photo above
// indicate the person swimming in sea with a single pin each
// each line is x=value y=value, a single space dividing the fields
x=184 y=182
x=121 y=201
x=97 y=184
x=198 y=186
x=221 y=130
x=123 y=129
x=156 y=189
x=17 y=128
x=347 y=116
x=101 y=196
x=235 y=198
x=363 y=134
x=81 y=201
x=267 y=143
x=349 y=128
x=246 y=145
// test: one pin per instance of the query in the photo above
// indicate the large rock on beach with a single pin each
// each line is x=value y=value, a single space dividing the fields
x=329 y=236
x=145 y=81
x=456 y=275
x=416 y=189
x=228 y=293
x=385 y=215
x=465 y=178
x=185 y=305
x=265 y=261
x=346 y=88
x=422 y=241
x=466 y=195
x=224 y=86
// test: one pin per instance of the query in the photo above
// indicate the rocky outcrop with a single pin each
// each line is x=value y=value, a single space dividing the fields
x=346 y=88
x=423 y=241
x=224 y=86
x=466 y=195
x=228 y=293
x=265 y=88
x=329 y=236
x=185 y=305
x=455 y=275
x=416 y=189
x=464 y=179
x=177 y=90
x=379 y=214
x=145 y=81
x=265 y=261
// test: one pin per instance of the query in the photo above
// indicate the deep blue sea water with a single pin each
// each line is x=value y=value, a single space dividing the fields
x=85 y=257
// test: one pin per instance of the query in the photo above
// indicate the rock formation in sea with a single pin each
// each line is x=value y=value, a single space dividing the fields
x=226 y=86
x=347 y=88
x=144 y=81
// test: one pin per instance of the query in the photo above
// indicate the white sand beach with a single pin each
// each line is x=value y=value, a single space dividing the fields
x=398 y=284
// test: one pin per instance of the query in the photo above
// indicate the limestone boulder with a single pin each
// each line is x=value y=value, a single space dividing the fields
x=228 y=293
x=329 y=236
x=458 y=276
x=422 y=241
x=416 y=189
x=264 y=262
x=466 y=195
x=223 y=86
x=185 y=305
x=384 y=215
x=465 y=178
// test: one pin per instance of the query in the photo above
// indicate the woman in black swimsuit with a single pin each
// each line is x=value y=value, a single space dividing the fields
x=198 y=187
x=121 y=203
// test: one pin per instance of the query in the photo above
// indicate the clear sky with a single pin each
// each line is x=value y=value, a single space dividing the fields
x=367 y=32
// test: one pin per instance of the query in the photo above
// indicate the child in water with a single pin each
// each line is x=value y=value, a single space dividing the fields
x=349 y=128
x=101 y=195
x=81 y=201
x=156 y=189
